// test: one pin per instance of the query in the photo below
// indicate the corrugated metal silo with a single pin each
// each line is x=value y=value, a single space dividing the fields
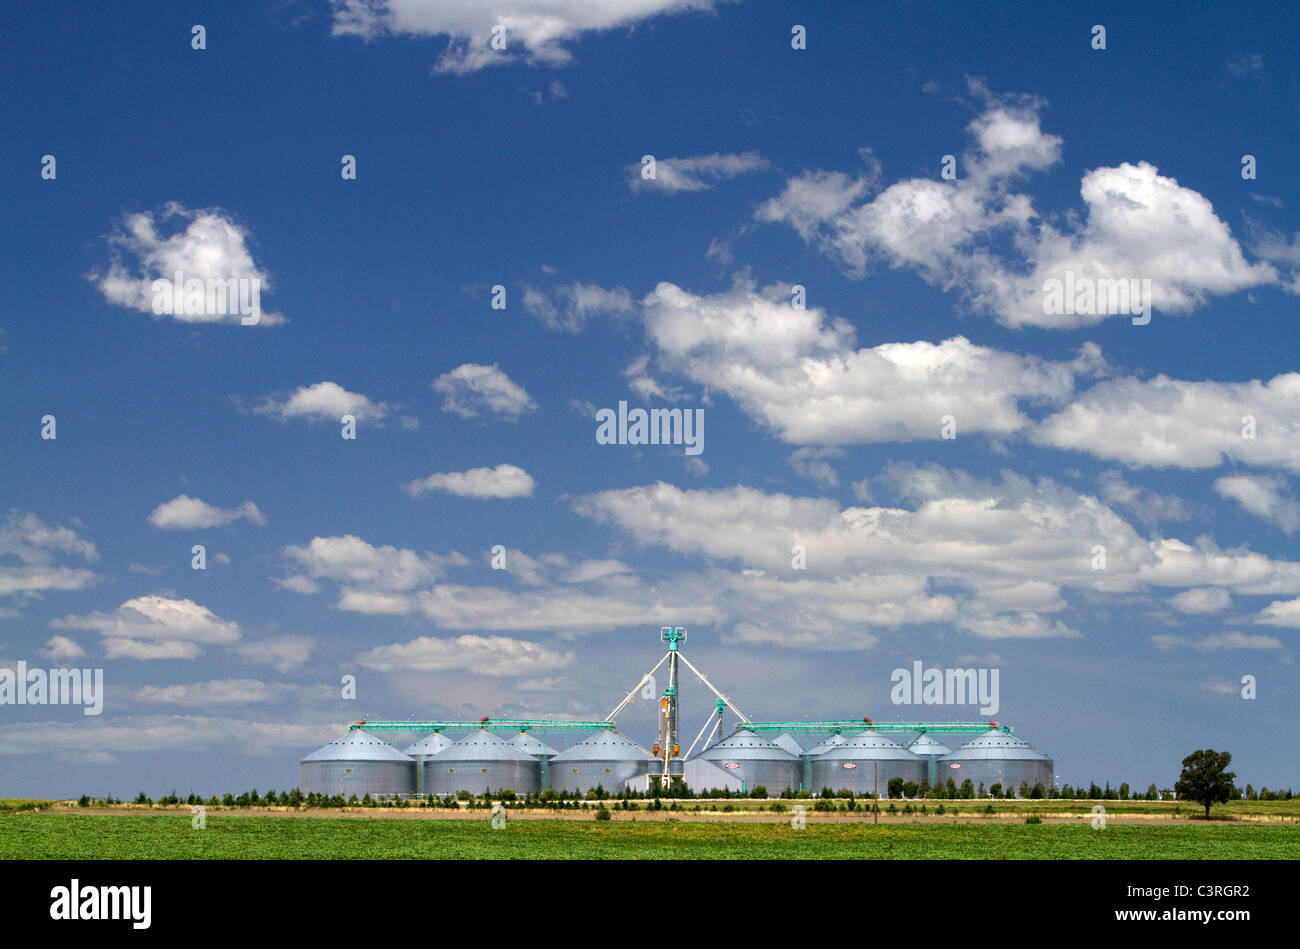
x=479 y=762
x=539 y=750
x=926 y=748
x=360 y=764
x=755 y=761
x=823 y=746
x=789 y=744
x=702 y=776
x=427 y=747
x=604 y=757
x=862 y=761
x=998 y=758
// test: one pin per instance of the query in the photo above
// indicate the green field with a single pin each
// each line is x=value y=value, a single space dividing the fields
x=170 y=836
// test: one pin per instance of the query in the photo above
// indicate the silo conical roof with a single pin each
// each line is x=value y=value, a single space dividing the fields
x=788 y=743
x=743 y=743
x=482 y=745
x=826 y=744
x=995 y=743
x=357 y=745
x=870 y=744
x=430 y=745
x=926 y=746
x=532 y=746
x=604 y=745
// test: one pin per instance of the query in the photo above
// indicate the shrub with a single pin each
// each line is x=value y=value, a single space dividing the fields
x=602 y=812
x=758 y=791
x=1033 y=819
x=83 y=801
x=143 y=798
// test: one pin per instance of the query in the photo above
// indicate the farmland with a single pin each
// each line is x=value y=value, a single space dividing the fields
x=372 y=834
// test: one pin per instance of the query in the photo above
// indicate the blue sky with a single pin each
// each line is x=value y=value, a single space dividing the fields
x=521 y=168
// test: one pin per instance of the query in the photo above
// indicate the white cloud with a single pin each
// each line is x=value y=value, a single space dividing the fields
x=210 y=693
x=1216 y=642
x=1200 y=600
x=472 y=389
x=1280 y=613
x=595 y=570
x=503 y=481
x=797 y=371
x=281 y=653
x=536 y=31
x=485 y=655
x=568 y=309
x=61 y=648
x=810 y=462
x=183 y=512
x=155 y=627
x=1268 y=498
x=297 y=584
x=35 y=545
x=212 y=247
x=1147 y=505
x=1137 y=224
x=325 y=402
x=350 y=561
x=1168 y=422
x=693 y=174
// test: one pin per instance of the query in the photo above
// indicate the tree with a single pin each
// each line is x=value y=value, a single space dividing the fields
x=895 y=787
x=1124 y=791
x=967 y=789
x=1152 y=793
x=1205 y=779
x=910 y=789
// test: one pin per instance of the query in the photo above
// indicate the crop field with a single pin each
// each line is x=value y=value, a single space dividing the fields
x=27 y=835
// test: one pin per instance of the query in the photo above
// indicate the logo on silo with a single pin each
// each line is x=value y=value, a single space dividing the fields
x=849 y=764
x=954 y=765
x=732 y=764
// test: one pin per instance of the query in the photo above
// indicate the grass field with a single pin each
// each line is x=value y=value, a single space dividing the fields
x=27 y=835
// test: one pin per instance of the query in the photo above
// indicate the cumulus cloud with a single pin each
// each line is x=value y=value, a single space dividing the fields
x=184 y=512
x=568 y=309
x=503 y=481
x=1268 y=498
x=29 y=548
x=536 y=31
x=211 y=247
x=811 y=463
x=485 y=655
x=155 y=627
x=1201 y=600
x=61 y=648
x=693 y=174
x=1137 y=224
x=350 y=561
x=210 y=693
x=1166 y=422
x=281 y=653
x=472 y=389
x=1147 y=506
x=1280 y=613
x=798 y=373
x=326 y=402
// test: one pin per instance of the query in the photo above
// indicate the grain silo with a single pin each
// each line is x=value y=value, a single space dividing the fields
x=998 y=758
x=540 y=751
x=833 y=740
x=930 y=751
x=357 y=764
x=422 y=751
x=479 y=762
x=703 y=776
x=604 y=757
x=863 y=763
x=787 y=742
x=756 y=761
